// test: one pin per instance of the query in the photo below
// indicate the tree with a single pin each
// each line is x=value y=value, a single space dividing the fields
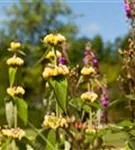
x=98 y=46
x=29 y=21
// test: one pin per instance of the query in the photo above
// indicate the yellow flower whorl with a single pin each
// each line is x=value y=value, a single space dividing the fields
x=15 y=61
x=89 y=96
x=50 y=71
x=14 y=133
x=54 y=39
x=16 y=90
x=51 y=54
x=15 y=46
x=88 y=71
x=53 y=121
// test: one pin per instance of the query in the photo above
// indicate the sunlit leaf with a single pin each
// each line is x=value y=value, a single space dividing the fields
x=60 y=88
x=9 y=112
x=12 y=73
x=131 y=144
x=51 y=140
x=22 y=109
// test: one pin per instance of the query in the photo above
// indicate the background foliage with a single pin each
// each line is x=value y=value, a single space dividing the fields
x=28 y=23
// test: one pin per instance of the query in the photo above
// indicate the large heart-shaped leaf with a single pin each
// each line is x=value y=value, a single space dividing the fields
x=60 y=88
x=22 y=109
x=12 y=73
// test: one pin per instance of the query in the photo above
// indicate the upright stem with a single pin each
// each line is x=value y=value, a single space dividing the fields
x=15 y=116
x=88 y=86
x=55 y=57
x=90 y=115
x=13 y=145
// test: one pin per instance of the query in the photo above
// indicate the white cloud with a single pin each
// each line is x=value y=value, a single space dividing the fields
x=91 y=28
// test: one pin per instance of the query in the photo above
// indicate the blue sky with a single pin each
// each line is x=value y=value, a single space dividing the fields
x=104 y=17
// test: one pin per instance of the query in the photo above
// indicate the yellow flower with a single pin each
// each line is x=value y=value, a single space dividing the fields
x=15 y=61
x=47 y=72
x=53 y=121
x=89 y=96
x=65 y=69
x=88 y=71
x=90 y=131
x=60 y=38
x=51 y=71
x=51 y=54
x=54 y=39
x=14 y=133
x=16 y=90
x=15 y=46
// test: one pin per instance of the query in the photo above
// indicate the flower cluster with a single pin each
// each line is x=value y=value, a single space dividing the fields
x=15 y=61
x=130 y=8
x=52 y=71
x=15 y=46
x=58 y=63
x=54 y=39
x=54 y=122
x=51 y=54
x=104 y=98
x=89 y=57
x=16 y=133
x=15 y=90
x=105 y=102
x=62 y=60
x=88 y=71
x=89 y=96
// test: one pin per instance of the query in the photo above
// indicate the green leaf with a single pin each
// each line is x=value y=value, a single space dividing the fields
x=12 y=73
x=126 y=123
x=116 y=138
x=67 y=145
x=22 y=109
x=95 y=105
x=130 y=97
x=51 y=140
x=60 y=88
x=22 y=53
x=86 y=108
x=127 y=147
x=115 y=102
x=9 y=113
x=131 y=144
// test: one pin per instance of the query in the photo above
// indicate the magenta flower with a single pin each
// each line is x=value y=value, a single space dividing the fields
x=127 y=9
x=62 y=60
x=95 y=62
x=104 y=98
x=105 y=102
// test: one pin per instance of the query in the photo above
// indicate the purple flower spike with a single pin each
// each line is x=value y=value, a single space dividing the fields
x=62 y=60
x=104 y=101
x=104 y=98
x=86 y=59
x=127 y=9
x=95 y=62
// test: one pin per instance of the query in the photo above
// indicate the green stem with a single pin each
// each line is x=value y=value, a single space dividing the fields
x=90 y=115
x=57 y=108
x=41 y=135
x=88 y=86
x=13 y=145
x=55 y=57
x=15 y=116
